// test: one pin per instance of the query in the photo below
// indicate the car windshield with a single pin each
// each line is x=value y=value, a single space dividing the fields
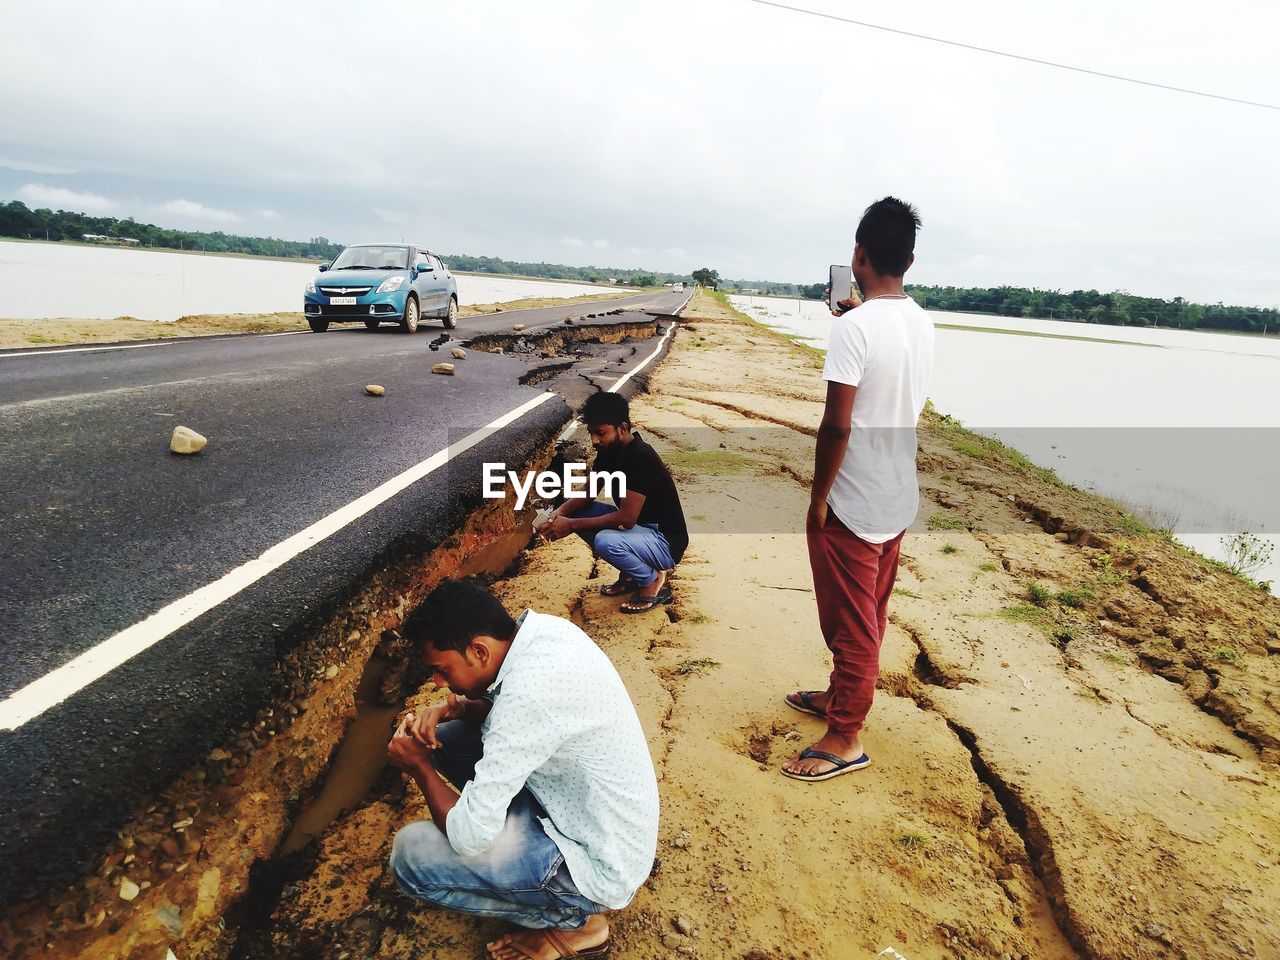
x=372 y=258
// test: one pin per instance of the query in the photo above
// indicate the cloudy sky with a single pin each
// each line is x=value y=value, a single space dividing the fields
x=673 y=135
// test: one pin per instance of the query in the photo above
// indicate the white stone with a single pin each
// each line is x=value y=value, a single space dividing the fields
x=186 y=441
x=445 y=368
x=374 y=389
x=128 y=889
x=458 y=353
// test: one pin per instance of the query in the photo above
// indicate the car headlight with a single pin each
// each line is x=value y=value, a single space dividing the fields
x=389 y=284
x=311 y=286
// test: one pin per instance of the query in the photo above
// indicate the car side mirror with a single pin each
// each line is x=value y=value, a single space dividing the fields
x=324 y=267
x=423 y=268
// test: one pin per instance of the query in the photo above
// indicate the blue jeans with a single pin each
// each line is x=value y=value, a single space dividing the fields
x=521 y=878
x=640 y=553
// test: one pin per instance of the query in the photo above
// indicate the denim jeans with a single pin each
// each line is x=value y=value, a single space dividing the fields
x=521 y=878
x=639 y=553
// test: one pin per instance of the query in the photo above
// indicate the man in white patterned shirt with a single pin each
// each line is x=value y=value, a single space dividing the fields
x=557 y=820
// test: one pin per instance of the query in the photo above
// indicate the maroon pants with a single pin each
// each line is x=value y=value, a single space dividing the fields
x=853 y=580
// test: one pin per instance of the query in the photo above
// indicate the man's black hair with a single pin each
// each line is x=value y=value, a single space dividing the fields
x=454 y=614
x=602 y=408
x=887 y=233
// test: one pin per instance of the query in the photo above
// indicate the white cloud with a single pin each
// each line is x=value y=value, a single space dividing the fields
x=198 y=211
x=267 y=214
x=397 y=217
x=571 y=242
x=41 y=195
x=30 y=166
x=600 y=244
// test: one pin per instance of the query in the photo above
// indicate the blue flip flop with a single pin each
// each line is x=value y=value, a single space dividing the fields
x=804 y=705
x=841 y=765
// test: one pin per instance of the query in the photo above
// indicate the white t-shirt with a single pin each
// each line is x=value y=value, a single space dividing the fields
x=885 y=349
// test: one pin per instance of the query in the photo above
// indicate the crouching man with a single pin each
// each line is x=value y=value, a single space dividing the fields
x=557 y=820
x=645 y=535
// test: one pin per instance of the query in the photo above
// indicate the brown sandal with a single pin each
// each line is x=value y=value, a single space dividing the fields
x=564 y=950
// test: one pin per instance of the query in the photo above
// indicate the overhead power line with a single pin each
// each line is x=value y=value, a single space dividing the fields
x=1016 y=56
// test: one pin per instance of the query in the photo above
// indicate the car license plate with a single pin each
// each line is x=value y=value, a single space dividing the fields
x=342 y=301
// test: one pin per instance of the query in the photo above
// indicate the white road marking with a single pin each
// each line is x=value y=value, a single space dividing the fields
x=55 y=687
x=568 y=431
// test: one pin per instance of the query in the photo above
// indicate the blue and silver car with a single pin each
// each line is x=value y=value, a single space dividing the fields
x=382 y=283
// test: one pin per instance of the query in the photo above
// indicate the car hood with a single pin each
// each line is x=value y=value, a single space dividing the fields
x=354 y=278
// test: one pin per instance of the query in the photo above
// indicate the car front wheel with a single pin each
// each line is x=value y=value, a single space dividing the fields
x=318 y=325
x=451 y=315
x=409 y=322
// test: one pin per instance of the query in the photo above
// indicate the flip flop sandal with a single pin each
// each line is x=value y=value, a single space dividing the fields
x=619 y=587
x=640 y=603
x=842 y=765
x=803 y=702
x=565 y=951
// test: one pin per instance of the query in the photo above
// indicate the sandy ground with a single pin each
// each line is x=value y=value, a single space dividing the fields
x=62 y=331
x=1092 y=774
x=1075 y=740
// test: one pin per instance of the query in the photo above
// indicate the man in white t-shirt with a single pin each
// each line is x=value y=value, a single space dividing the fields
x=865 y=491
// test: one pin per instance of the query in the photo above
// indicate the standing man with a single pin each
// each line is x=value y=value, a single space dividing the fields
x=645 y=535
x=865 y=491
x=557 y=821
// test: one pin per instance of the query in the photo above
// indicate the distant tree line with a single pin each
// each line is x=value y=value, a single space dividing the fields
x=17 y=220
x=1085 y=306
x=1090 y=306
x=1082 y=306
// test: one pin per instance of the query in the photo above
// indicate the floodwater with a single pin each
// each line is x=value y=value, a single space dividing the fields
x=40 y=280
x=1179 y=425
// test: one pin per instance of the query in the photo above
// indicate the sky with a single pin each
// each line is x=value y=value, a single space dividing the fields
x=673 y=135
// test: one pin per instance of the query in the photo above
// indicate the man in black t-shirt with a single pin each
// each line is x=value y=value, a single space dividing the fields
x=644 y=536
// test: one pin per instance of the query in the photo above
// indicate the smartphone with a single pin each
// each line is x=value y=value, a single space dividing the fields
x=840 y=280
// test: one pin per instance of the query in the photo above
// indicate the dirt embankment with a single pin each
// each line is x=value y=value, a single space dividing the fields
x=1074 y=741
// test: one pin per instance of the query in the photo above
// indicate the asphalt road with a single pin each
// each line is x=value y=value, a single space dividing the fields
x=103 y=527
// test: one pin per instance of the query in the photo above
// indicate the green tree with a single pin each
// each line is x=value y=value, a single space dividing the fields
x=706 y=277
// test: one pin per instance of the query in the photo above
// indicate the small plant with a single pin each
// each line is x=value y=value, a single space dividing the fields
x=903 y=591
x=701 y=665
x=1131 y=525
x=913 y=841
x=940 y=521
x=1075 y=599
x=1246 y=554
x=1226 y=654
x=1112 y=657
x=949 y=549
x=699 y=618
x=1108 y=575
x=1038 y=593
x=987 y=567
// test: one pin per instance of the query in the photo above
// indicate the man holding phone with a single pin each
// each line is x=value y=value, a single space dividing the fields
x=865 y=491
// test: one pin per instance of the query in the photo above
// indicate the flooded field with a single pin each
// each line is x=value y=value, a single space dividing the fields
x=1181 y=425
x=39 y=280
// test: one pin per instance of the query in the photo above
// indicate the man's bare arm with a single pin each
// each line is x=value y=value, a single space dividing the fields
x=833 y=440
